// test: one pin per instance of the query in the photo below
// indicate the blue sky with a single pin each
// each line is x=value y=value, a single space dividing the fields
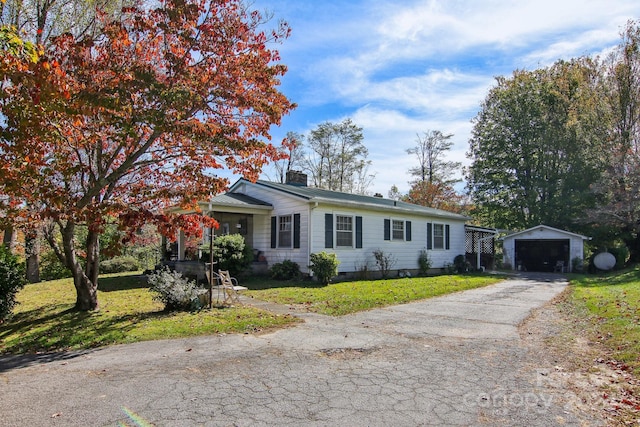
x=398 y=68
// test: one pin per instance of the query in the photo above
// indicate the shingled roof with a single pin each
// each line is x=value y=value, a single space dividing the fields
x=237 y=199
x=320 y=195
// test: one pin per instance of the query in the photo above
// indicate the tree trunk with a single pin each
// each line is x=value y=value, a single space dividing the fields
x=86 y=293
x=10 y=238
x=85 y=281
x=32 y=254
x=93 y=257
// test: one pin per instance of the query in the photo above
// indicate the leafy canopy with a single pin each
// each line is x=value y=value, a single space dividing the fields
x=141 y=116
x=535 y=147
x=138 y=117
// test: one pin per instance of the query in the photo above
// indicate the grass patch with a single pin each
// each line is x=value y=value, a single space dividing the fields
x=611 y=304
x=349 y=297
x=45 y=320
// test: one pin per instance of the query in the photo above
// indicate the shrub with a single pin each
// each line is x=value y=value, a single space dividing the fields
x=424 y=262
x=174 y=291
x=324 y=266
x=621 y=252
x=231 y=253
x=285 y=270
x=460 y=264
x=51 y=268
x=119 y=264
x=385 y=262
x=449 y=268
x=12 y=279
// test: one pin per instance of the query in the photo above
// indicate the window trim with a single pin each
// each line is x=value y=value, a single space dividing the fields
x=352 y=232
x=446 y=238
x=330 y=230
x=401 y=230
x=280 y=232
x=440 y=247
x=388 y=232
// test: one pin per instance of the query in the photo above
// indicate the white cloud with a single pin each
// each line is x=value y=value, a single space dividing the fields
x=398 y=67
x=451 y=26
x=414 y=55
x=389 y=133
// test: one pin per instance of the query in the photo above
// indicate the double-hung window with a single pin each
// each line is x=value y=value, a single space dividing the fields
x=285 y=227
x=344 y=231
x=438 y=236
x=397 y=230
x=285 y=231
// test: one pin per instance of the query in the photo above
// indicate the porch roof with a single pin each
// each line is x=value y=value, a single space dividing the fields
x=236 y=203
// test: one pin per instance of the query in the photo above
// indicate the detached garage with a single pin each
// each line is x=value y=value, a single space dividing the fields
x=543 y=248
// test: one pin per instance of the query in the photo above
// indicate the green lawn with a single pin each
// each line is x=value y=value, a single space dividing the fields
x=349 y=297
x=611 y=303
x=45 y=320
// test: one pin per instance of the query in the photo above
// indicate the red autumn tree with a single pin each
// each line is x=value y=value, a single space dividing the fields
x=437 y=195
x=137 y=118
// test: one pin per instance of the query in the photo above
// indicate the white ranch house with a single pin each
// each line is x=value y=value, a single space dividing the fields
x=291 y=221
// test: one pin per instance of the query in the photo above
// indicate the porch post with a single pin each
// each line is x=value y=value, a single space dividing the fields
x=181 y=245
x=210 y=267
x=210 y=262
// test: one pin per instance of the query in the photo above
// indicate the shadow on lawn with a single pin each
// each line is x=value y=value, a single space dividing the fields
x=51 y=335
x=139 y=281
x=255 y=283
x=620 y=277
x=122 y=283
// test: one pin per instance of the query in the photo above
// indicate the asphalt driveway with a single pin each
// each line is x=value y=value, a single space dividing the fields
x=454 y=360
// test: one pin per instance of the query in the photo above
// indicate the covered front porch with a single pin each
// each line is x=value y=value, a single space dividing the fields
x=236 y=214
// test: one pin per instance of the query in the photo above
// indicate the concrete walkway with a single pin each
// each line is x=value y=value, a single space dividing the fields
x=455 y=360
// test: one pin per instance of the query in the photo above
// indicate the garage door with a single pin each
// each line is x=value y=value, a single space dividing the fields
x=541 y=255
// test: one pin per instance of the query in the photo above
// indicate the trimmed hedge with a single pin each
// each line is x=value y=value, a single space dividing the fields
x=119 y=264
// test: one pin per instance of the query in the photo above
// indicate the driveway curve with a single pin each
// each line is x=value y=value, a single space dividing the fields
x=455 y=360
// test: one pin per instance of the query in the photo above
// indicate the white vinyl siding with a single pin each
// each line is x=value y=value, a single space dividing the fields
x=282 y=205
x=367 y=233
x=373 y=232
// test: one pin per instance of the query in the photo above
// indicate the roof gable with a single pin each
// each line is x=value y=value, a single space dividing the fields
x=543 y=227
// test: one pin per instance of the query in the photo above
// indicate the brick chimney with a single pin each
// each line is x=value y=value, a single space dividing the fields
x=296 y=178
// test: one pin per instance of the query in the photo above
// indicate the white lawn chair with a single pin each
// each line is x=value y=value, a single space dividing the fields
x=229 y=286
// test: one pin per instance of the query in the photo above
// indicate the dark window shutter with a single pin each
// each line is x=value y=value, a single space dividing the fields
x=274 y=232
x=429 y=235
x=407 y=227
x=328 y=230
x=387 y=229
x=358 y=232
x=296 y=231
x=446 y=236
